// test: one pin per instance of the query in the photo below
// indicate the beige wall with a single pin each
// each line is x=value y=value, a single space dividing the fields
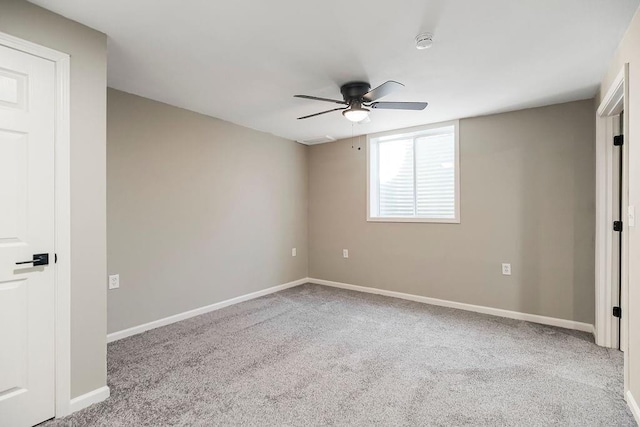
x=629 y=51
x=527 y=197
x=199 y=210
x=88 y=50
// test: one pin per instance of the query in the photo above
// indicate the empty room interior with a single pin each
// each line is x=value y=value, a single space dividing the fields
x=285 y=213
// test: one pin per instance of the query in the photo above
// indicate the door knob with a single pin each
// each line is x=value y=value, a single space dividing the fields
x=38 y=259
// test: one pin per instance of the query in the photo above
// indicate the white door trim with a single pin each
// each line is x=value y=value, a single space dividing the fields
x=614 y=101
x=62 y=214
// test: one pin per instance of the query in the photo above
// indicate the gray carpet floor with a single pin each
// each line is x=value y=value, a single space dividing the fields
x=314 y=355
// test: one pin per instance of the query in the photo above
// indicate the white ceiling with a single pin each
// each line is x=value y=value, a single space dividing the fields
x=243 y=60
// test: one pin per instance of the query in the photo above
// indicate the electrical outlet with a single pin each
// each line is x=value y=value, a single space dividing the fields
x=114 y=281
x=345 y=253
x=506 y=269
x=294 y=252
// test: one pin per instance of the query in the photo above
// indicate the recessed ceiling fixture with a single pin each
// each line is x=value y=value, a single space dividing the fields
x=357 y=94
x=424 y=41
x=319 y=140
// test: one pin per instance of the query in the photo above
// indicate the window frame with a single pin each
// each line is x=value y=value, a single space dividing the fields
x=404 y=132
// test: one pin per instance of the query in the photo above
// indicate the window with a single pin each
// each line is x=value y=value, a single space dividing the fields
x=413 y=175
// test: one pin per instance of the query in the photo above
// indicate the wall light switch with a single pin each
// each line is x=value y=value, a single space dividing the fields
x=294 y=252
x=114 y=281
x=345 y=253
x=506 y=269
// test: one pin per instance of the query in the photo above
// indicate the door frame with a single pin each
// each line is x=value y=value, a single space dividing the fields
x=62 y=214
x=615 y=100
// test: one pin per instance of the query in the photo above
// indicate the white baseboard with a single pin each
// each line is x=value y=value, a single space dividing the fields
x=114 y=336
x=568 y=324
x=88 y=399
x=633 y=405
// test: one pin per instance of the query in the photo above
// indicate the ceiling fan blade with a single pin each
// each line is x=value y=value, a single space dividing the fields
x=323 y=112
x=400 y=105
x=383 y=90
x=315 y=98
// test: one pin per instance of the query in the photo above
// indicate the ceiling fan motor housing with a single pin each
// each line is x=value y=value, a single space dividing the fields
x=354 y=91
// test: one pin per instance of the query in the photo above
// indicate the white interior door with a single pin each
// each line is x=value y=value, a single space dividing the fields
x=27 y=103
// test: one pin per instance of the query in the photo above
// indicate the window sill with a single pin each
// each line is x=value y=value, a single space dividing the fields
x=420 y=220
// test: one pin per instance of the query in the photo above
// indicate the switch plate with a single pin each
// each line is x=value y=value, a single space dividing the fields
x=506 y=269
x=294 y=252
x=114 y=281
x=631 y=211
x=345 y=253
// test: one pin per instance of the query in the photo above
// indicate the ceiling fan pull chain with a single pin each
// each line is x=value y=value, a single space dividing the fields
x=352 y=124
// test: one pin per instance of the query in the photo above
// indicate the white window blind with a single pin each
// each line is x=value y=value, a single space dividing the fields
x=435 y=178
x=397 y=188
x=413 y=175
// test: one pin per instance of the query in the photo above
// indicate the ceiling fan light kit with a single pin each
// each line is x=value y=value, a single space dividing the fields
x=358 y=94
x=356 y=114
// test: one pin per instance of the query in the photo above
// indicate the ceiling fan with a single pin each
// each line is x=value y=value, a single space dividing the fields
x=357 y=95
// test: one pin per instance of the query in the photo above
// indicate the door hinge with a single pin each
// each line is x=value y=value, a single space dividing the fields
x=617 y=312
x=618 y=140
x=617 y=225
